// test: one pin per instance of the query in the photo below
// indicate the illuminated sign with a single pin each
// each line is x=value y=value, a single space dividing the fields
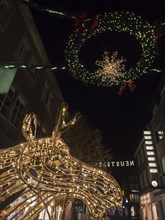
x=123 y=163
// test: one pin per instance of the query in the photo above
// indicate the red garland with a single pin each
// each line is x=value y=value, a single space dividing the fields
x=80 y=25
x=73 y=74
x=78 y=22
x=95 y=24
x=132 y=86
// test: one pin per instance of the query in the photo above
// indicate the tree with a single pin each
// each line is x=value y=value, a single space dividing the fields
x=86 y=143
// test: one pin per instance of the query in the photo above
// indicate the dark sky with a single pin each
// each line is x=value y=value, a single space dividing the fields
x=120 y=118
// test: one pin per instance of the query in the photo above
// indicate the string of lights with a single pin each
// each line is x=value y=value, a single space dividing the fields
x=49 y=10
x=45 y=175
x=12 y=65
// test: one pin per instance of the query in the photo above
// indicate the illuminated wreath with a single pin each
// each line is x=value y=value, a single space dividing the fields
x=119 y=22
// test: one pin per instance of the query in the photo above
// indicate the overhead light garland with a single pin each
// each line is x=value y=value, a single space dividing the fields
x=145 y=33
x=8 y=71
x=14 y=65
x=49 y=10
x=45 y=175
x=119 y=22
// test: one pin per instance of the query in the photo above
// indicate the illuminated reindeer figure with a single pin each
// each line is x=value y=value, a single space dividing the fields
x=41 y=173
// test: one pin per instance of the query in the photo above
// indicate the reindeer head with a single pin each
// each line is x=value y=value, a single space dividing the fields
x=46 y=172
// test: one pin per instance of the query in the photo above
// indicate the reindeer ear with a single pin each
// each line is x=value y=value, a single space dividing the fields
x=29 y=127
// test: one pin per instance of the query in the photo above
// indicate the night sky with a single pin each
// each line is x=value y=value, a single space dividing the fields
x=121 y=119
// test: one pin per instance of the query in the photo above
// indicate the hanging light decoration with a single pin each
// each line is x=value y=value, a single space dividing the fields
x=111 y=67
x=119 y=22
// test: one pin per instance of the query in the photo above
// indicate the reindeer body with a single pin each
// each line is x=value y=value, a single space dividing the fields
x=43 y=173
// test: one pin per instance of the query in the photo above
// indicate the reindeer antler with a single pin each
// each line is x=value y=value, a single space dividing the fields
x=62 y=126
x=29 y=127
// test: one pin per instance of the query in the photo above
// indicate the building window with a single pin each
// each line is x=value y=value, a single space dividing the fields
x=160 y=134
x=6 y=102
x=148 y=142
x=47 y=97
x=153 y=170
x=18 y=113
x=150 y=153
x=146 y=132
x=134 y=198
x=24 y=52
x=151 y=158
x=148 y=137
x=12 y=107
x=152 y=164
x=149 y=147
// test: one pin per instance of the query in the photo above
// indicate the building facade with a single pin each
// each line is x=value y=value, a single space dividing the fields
x=32 y=90
x=150 y=158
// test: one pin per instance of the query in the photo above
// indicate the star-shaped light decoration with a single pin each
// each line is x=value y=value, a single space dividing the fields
x=112 y=68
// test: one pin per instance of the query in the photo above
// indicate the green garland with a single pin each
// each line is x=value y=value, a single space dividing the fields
x=14 y=65
x=119 y=22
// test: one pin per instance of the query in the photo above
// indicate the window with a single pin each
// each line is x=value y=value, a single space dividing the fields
x=24 y=52
x=148 y=137
x=160 y=135
x=148 y=142
x=152 y=164
x=154 y=170
x=18 y=113
x=150 y=153
x=147 y=132
x=149 y=147
x=151 y=158
x=134 y=198
x=6 y=102
x=12 y=107
x=47 y=97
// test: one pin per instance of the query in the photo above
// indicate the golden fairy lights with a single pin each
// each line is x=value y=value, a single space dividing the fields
x=111 y=67
x=119 y=22
x=45 y=176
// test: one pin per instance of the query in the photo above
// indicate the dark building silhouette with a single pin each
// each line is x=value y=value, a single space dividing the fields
x=32 y=90
x=150 y=158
